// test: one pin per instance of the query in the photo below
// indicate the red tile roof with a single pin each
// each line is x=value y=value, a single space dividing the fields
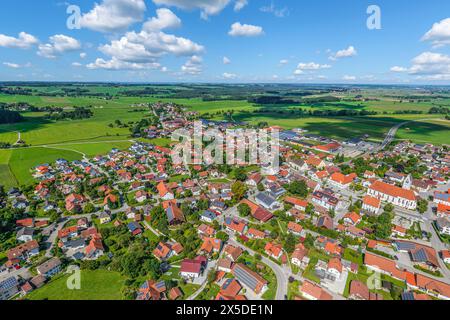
x=392 y=190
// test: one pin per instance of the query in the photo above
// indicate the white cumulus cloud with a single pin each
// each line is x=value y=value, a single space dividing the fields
x=144 y=49
x=113 y=15
x=399 y=69
x=229 y=76
x=165 y=19
x=240 y=4
x=193 y=66
x=344 y=53
x=58 y=44
x=23 y=41
x=439 y=34
x=207 y=7
x=245 y=30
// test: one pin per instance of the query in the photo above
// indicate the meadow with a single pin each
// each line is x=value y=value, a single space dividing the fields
x=95 y=285
x=71 y=139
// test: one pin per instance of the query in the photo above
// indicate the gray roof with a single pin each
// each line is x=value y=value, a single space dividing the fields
x=25 y=232
x=49 y=265
x=8 y=284
x=266 y=199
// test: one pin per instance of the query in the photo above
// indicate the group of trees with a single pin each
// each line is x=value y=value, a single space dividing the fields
x=77 y=114
x=7 y=116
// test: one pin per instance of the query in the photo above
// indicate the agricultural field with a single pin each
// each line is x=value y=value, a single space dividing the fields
x=95 y=285
x=71 y=139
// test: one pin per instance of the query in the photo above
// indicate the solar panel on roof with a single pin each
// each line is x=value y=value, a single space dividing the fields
x=408 y=296
x=420 y=256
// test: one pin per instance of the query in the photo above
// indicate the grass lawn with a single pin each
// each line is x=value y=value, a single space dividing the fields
x=353 y=256
x=209 y=293
x=22 y=160
x=436 y=132
x=7 y=178
x=92 y=149
x=188 y=289
x=95 y=285
x=293 y=289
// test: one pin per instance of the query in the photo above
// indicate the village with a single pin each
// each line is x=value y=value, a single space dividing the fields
x=339 y=220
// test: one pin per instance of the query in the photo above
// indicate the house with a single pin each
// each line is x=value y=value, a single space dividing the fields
x=297 y=164
x=442 y=210
x=443 y=225
x=254 y=179
x=174 y=214
x=274 y=251
x=74 y=202
x=23 y=251
x=384 y=265
x=253 y=233
x=334 y=268
x=371 y=205
x=297 y=203
x=141 y=196
x=104 y=218
x=205 y=230
x=229 y=290
x=211 y=245
x=267 y=201
x=398 y=231
x=352 y=218
x=164 y=192
x=232 y=252
x=300 y=256
x=359 y=291
x=162 y=251
x=95 y=248
x=192 y=268
x=135 y=228
x=236 y=226
x=294 y=228
x=9 y=287
x=393 y=194
x=208 y=216
x=258 y=212
x=151 y=290
x=249 y=278
x=25 y=234
x=445 y=255
x=175 y=293
x=224 y=265
x=325 y=199
x=442 y=197
x=341 y=181
x=68 y=233
x=49 y=268
x=326 y=222
x=315 y=162
x=432 y=287
x=313 y=291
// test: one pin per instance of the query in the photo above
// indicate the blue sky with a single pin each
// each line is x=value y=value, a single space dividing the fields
x=293 y=41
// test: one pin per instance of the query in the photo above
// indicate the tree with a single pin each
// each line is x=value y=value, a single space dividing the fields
x=239 y=174
x=422 y=205
x=289 y=243
x=310 y=209
x=298 y=188
x=244 y=210
x=239 y=190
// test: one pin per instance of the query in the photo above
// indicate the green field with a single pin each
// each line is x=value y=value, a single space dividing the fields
x=22 y=160
x=95 y=285
x=73 y=139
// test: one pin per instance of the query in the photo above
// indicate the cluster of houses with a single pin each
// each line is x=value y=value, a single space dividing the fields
x=145 y=174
